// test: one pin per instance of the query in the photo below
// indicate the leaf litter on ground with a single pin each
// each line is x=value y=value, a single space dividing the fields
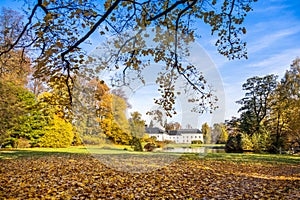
x=86 y=177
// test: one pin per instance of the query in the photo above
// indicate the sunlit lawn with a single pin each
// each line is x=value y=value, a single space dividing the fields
x=122 y=149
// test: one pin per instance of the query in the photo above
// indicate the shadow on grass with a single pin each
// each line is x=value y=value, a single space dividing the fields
x=252 y=157
x=94 y=151
x=40 y=152
x=115 y=152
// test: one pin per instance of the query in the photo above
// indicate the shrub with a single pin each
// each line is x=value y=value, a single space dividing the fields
x=77 y=140
x=149 y=146
x=261 y=141
x=136 y=143
x=59 y=133
x=247 y=144
x=23 y=143
x=234 y=144
x=10 y=142
x=258 y=142
x=151 y=139
x=196 y=142
x=168 y=142
x=92 y=139
x=160 y=144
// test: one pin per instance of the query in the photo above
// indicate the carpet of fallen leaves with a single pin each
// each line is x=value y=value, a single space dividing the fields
x=85 y=177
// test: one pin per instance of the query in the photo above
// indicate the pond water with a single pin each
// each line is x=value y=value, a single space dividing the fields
x=194 y=150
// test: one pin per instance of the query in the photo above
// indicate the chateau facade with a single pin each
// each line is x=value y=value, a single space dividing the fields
x=181 y=136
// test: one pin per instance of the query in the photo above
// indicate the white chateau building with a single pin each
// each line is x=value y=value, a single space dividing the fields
x=181 y=136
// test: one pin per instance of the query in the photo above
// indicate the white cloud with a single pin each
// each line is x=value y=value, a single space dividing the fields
x=270 y=39
x=277 y=63
x=271 y=8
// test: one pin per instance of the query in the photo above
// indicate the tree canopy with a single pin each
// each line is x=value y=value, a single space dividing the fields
x=55 y=31
x=270 y=114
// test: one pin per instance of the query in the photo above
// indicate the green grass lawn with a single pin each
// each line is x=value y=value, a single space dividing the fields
x=194 y=145
x=119 y=149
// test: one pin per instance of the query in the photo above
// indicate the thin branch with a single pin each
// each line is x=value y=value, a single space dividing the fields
x=23 y=31
x=176 y=43
x=168 y=10
x=92 y=30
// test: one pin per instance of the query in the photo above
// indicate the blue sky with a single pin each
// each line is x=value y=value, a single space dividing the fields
x=273 y=34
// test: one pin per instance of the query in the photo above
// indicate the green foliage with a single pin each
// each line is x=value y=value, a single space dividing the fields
x=137 y=125
x=136 y=144
x=119 y=135
x=270 y=112
x=247 y=143
x=92 y=139
x=261 y=142
x=77 y=140
x=223 y=135
x=59 y=133
x=257 y=102
x=196 y=142
x=234 y=144
x=10 y=142
x=206 y=130
x=19 y=113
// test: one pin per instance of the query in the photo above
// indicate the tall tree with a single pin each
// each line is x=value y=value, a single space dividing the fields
x=15 y=64
x=57 y=31
x=257 y=102
x=206 y=130
x=223 y=136
x=216 y=132
x=285 y=111
x=137 y=130
x=137 y=125
x=15 y=106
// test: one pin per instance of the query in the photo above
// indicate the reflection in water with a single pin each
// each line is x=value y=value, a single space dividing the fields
x=194 y=150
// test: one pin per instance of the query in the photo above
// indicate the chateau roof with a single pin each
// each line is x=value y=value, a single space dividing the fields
x=153 y=130
x=183 y=131
x=156 y=130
